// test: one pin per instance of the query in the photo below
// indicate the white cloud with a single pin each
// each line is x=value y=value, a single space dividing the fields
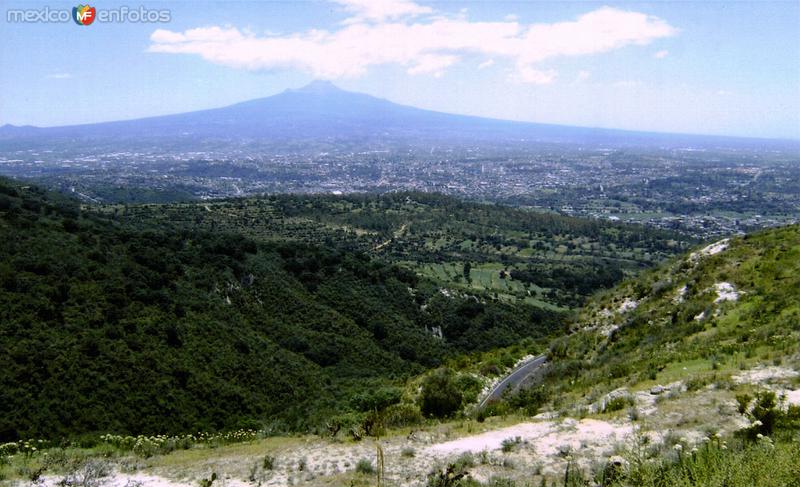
x=432 y=64
x=59 y=76
x=626 y=83
x=661 y=54
x=527 y=74
x=381 y=10
x=583 y=75
x=486 y=64
x=374 y=38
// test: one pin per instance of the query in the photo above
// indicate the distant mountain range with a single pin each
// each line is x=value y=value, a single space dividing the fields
x=320 y=110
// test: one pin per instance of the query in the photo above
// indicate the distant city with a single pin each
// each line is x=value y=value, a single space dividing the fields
x=705 y=192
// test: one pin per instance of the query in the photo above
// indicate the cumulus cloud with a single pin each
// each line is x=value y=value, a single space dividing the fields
x=381 y=10
x=661 y=54
x=388 y=33
x=486 y=64
x=583 y=75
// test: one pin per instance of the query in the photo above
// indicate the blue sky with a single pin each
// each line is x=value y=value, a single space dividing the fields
x=730 y=68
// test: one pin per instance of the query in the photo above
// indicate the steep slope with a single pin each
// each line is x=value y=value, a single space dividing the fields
x=688 y=375
x=115 y=329
x=725 y=307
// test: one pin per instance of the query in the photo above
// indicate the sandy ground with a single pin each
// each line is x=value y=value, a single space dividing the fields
x=760 y=375
x=546 y=444
x=712 y=249
x=141 y=480
x=542 y=445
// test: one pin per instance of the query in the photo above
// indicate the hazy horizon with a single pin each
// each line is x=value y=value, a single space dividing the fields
x=299 y=88
x=711 y=68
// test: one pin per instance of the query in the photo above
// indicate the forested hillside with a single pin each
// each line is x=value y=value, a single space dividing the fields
x=108 y=327
x=543 y=259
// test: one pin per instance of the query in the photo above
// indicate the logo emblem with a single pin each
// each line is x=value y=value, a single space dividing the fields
x=83 y=14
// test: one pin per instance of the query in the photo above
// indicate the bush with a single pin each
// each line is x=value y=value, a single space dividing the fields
x=453 y=476
x=529 y=399
x=402 y=415
x=765 y=414
x=510 y=444
x=697 y=383
x=617 y=403
x=365 y=466
x=440 y=396
x=88 y=473
x=377 y=399
x=716 y=464
x=470 y=386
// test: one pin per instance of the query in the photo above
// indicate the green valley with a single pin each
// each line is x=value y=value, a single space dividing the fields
x=113 y=328
x=293 y=333
x=515 y=254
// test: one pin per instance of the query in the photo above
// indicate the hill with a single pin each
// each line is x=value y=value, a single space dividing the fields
x=727 y=306
x=321 y=111
x=687 y=374
x=515 y=255
x=115 y=328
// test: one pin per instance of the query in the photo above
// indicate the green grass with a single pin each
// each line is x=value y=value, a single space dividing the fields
x=661 y=342
x=758 y=464
x=486 y=278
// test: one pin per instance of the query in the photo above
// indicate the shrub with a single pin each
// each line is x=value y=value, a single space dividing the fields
x=697 y=383
x=376 y=400
x=743 y=401
x=402 y=415
x=452 y=476
x=470 y=386
x=209 y=481
x=765 y=414
x=510 y=444
x=365 y=466
x=617 y=403
x=348 y=422
x=717 y=464
x=440 y=396
x=529 y=399
x=87 y=474
x=464 y=461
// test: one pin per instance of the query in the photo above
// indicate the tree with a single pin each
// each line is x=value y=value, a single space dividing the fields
x=440 y=397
